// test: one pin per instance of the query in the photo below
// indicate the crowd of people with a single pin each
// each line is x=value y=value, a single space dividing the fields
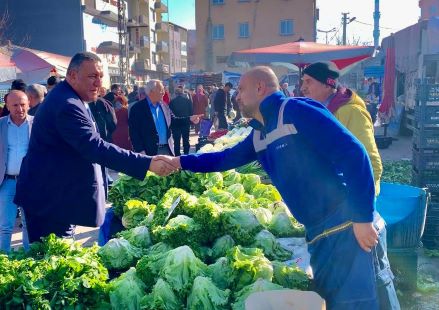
x=318 y=151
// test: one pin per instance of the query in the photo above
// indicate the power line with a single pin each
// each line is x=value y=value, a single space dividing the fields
x=363 y=23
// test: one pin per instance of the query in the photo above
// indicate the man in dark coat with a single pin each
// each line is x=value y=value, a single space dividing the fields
x=222 y=105
x=61 y=181
x=149 y=122
x=181 y=112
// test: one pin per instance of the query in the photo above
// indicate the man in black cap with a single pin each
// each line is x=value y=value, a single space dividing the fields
x=52 y=81
x=319 y=82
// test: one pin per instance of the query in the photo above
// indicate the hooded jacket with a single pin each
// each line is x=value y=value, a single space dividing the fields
x=351 y=111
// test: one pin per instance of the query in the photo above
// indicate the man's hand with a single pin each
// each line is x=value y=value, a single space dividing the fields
x=366 y=235
x=164 y=165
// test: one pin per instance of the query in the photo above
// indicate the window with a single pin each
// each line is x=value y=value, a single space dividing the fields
x=243 y=29
x=221 y=59
x=154 y=58
x=286 y=27
x=154 y=36
x=152 y=14
x=217 y=2
x=218 y=32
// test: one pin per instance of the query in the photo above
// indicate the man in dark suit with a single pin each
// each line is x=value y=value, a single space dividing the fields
x=182 y=111
x=61 y=182
x=222 y=105
x=149 y=123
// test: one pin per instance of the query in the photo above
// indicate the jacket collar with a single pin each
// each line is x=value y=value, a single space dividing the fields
x=269 y=110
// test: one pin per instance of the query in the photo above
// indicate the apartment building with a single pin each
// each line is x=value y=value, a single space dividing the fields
x=177 y=42
x=225 y=26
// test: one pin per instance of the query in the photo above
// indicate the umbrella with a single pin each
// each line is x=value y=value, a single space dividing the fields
x=31 y=65
x=301 y=54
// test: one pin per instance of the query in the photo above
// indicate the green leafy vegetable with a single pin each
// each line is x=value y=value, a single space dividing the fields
x=261 y=285
x=161 y=298
x=283 y=225
x=250 y=181
x=271 y=247
x=263 y=215
x=134 y=212
x=126 y=292
x=241 y=224
x=118 y=253
x=266 y=191
x=205 y=295
x=290 y=276
x=137 y=236
x=221 y=246
x=221 y=273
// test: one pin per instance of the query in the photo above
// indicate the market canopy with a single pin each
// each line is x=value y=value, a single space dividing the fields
x=301 y=54
x=32 y=66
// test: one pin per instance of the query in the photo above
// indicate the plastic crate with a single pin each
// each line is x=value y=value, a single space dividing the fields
x=428 y=94
x=426 y=178
x=427 y=116
x=404 y=209
x=426 y=159
x=426 y=138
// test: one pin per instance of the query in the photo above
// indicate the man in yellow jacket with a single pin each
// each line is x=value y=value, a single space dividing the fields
x=320 y=84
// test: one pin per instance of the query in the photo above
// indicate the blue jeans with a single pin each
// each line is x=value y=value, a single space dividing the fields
x=8 y=214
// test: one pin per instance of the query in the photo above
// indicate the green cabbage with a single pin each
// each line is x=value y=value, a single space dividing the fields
x=231 y=177
x=266 y=241
x=221 y=246
x=149 y=266
x=118 y=253
x=250 y=181
x=261 y=285
x=212 y=179
x=221 y=273
x=180 y=230
x=205 y=295
x=137 y=236
x=181 y=268
x=266 y=191
x=263 y=215
x=290 y=276
x=219 y=196
x=186 y=206
x=284 y=226
x=126 y=291
x=134 y=212
x=241 y=224
x=249 y=264
x=161 y=298
x=207 y=215
x=237 y=190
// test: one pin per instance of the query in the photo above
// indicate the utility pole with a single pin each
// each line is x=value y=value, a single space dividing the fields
x=376 y=24
x=345 y=22
x=123 y=42
x=326 y=33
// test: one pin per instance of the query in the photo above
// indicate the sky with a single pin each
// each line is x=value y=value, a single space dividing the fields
x=395 y=15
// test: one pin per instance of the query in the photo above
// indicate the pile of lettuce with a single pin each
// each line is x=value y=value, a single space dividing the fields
x=217 y=247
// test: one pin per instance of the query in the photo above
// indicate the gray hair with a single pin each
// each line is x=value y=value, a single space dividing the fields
x=151 y=85
x=79 y=58
x=36 y=90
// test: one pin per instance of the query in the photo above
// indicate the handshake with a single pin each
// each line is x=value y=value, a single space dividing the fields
x=163 y=165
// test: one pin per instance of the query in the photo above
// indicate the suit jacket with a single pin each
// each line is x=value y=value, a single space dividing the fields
x=61 y=176
x=4 y=143
x=143 y=132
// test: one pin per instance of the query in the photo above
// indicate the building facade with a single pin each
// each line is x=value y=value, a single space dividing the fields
x=225 y=26
x=70 y=26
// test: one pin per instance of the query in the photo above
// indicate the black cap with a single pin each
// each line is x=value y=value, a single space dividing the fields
x=323 y=72
x=52 y=80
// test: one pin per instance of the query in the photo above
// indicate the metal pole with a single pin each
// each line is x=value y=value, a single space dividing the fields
x=376 y=19
x=344 y=20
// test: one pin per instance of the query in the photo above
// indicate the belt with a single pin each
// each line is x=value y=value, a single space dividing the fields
x=330 y=231
x=11 y=177
x=160 y=146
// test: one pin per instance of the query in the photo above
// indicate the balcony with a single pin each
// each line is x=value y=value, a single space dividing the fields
x=160 y=7
x=161 y=27
x=142 y=65
x=163 y=68
x=183 y=53
x=108 y=47
x=106 y=17
x=162 y=47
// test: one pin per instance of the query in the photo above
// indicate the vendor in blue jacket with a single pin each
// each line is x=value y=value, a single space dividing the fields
x=325 y=177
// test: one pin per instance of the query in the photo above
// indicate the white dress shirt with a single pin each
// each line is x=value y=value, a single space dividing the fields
x=18 y=143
